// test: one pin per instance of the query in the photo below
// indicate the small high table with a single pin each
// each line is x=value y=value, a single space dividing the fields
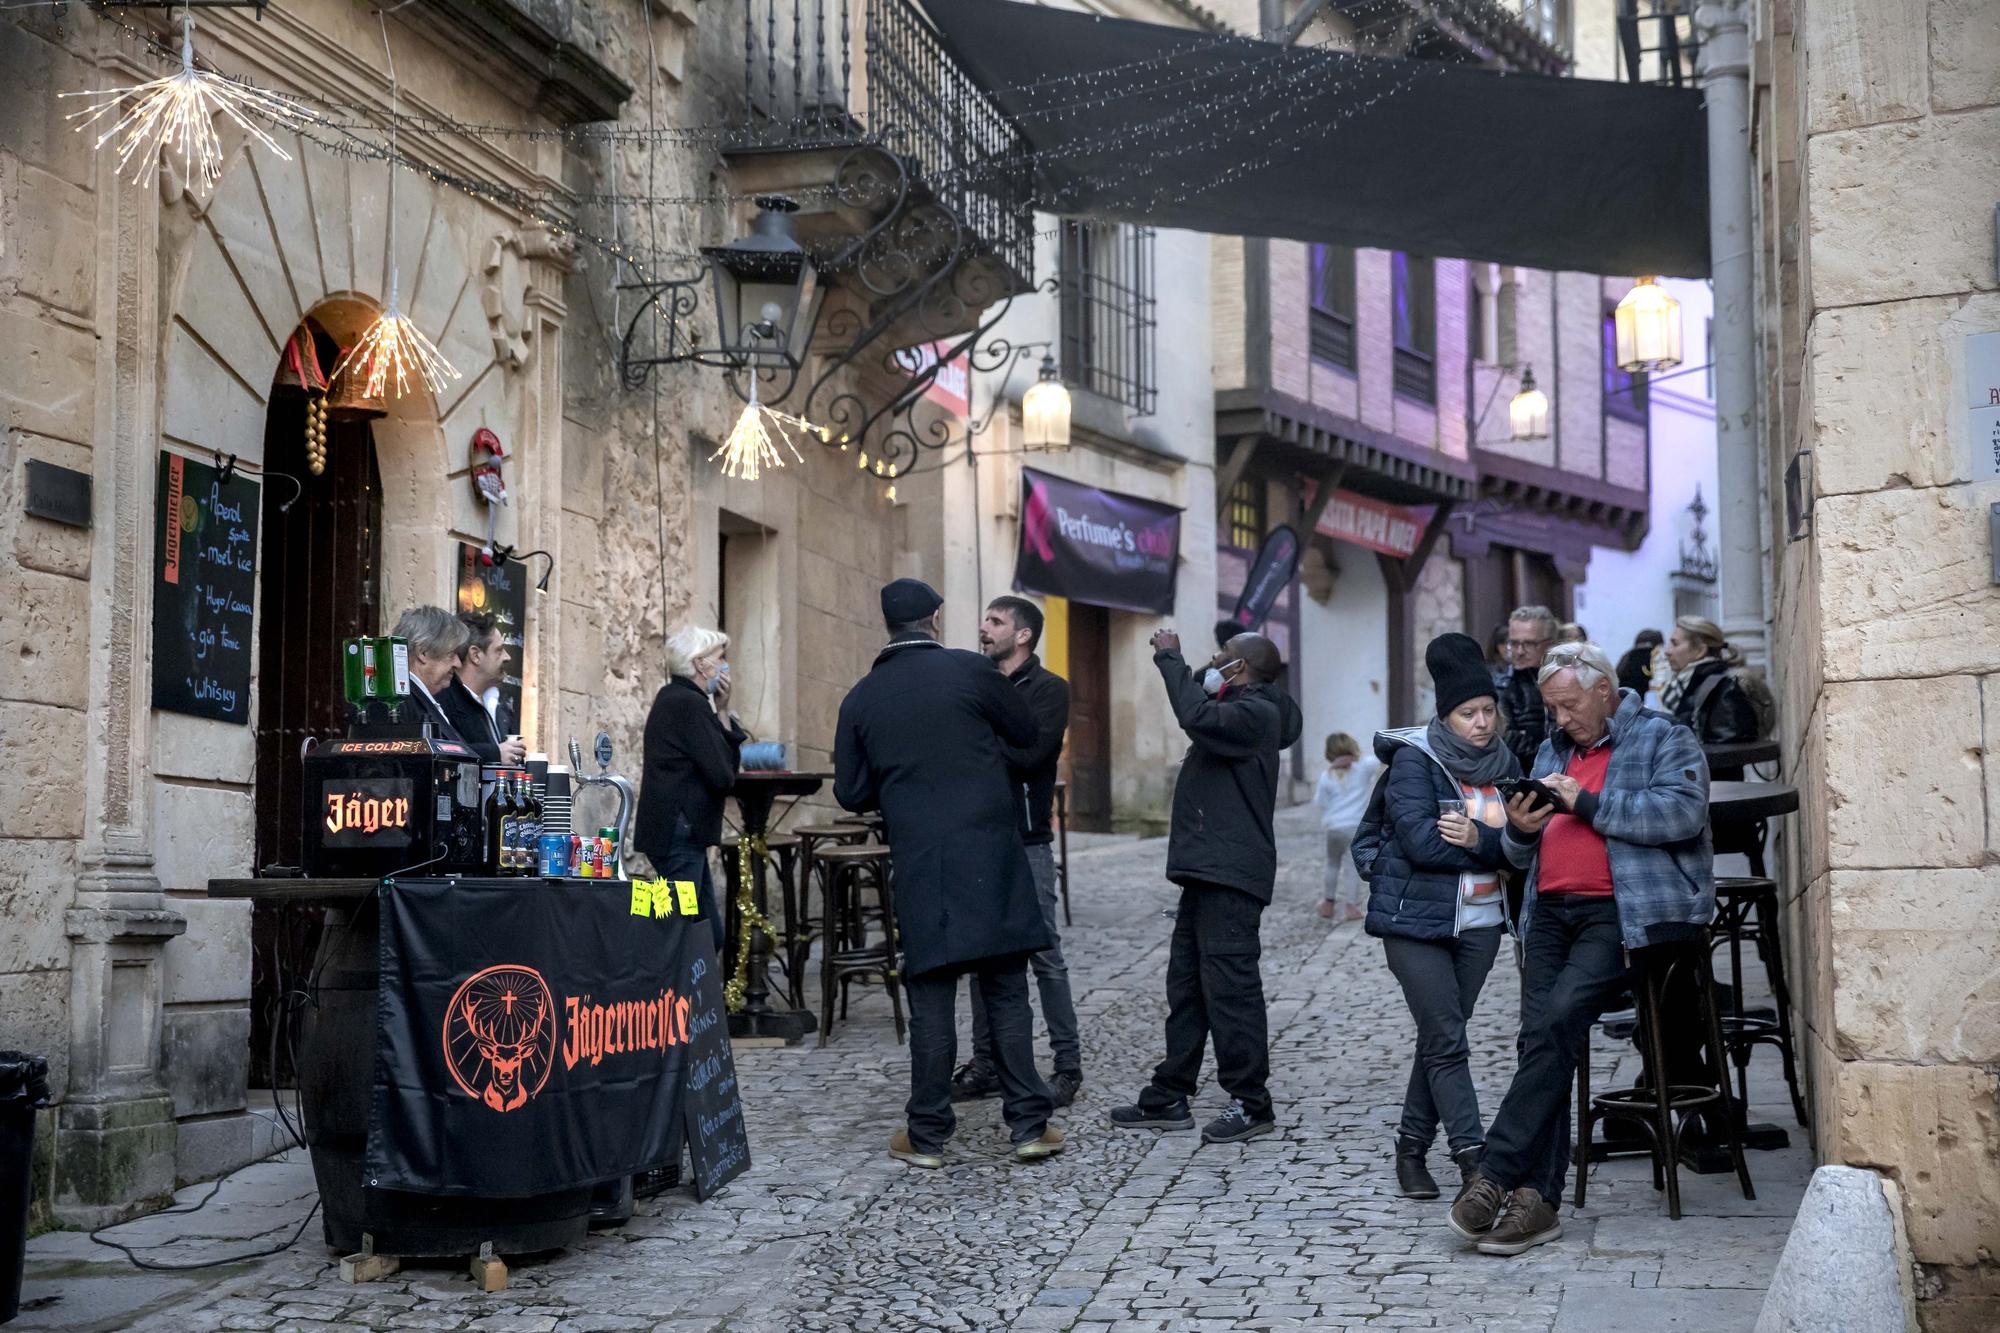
x=760 y=1016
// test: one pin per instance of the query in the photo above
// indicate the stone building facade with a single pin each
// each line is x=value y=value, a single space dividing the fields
x=152 y=318
x=1876 y=143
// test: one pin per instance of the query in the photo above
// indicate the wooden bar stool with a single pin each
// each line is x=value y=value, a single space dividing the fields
x=1746 y=908
x=1659 y=1108
x=813 y=837
x=846 y=955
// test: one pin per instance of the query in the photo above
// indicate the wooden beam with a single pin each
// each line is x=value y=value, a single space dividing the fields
x=1231 y=470
x=1323 y=489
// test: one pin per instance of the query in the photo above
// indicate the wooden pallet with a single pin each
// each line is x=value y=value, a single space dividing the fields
x=488 y=1269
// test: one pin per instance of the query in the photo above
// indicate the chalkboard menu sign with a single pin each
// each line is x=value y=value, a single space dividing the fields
x=500 y=589
x=718 y=1144
x=204 y=590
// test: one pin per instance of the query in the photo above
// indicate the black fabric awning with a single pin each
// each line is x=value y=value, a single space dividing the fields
x=1141 y=123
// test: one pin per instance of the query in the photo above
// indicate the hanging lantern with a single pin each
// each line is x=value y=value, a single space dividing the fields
x=1649 y=329
x=1045 y=411
x=1528 y=412
x=766 y=290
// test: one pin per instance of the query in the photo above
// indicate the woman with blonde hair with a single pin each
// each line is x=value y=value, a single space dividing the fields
x=1703 y=693
x=691 y=757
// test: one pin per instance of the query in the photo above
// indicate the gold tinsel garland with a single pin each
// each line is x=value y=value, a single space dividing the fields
x=750 y=849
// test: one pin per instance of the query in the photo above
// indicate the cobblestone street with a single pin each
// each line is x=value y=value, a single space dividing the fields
x=1122 y=1232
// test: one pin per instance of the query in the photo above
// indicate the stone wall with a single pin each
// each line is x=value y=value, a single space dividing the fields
x=1879 y=158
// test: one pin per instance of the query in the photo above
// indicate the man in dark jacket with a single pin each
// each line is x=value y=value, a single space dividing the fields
x=481 y=663
x=921 y=739
x=1008 y=636
x=1223 y=853
x=1530 y=631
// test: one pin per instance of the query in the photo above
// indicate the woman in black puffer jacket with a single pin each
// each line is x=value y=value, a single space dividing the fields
x=1433 y=862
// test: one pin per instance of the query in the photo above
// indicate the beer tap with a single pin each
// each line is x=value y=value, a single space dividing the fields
x=604 y=777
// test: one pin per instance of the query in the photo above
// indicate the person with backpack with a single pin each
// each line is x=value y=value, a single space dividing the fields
x=1430 y=849
x=1705 y=694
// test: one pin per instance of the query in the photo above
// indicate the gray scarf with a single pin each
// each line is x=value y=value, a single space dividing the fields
x=1481 y=766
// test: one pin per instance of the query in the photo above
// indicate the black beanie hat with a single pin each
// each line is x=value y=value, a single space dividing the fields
x=1458 y=669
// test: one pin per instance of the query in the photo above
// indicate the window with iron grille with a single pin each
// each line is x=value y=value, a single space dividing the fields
x=1624 y=392
x=1108 y=322
x=1332 y=311
x=1413 y=294
x=1246 y=514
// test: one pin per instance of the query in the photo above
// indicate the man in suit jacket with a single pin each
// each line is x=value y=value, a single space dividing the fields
x=435 y=637
x=481 y=663
x=922 y=738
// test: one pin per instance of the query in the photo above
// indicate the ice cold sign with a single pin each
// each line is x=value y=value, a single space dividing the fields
x=204 y=590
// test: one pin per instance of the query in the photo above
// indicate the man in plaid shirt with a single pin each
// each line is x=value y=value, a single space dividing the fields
x=1623 y=863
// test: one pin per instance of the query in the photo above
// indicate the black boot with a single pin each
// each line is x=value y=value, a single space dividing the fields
x=1468 y=1164
x=1413 y=1178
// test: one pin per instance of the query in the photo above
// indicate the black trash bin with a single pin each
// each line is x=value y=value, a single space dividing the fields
x=24 y=1085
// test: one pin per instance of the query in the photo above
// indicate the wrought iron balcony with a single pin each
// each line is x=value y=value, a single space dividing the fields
x=825 y=78
x=1657 y=42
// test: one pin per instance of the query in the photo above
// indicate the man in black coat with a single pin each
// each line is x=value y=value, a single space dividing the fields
x=1008 y=635
x=1530 y=631
x=1222 y=851
x=481 y=663
x=920 y=739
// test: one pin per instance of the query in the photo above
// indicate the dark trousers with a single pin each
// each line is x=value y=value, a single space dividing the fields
x=687 y=859
x=1441 y=980
x=1025 y=1101
x=1051 y=977
x=1214 y=990
x=1573 y=969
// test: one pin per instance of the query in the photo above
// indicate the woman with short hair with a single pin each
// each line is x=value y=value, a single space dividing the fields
x=692 y=750
x=1703 y=694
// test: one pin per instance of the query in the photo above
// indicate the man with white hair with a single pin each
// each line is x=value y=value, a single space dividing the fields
x=1622 y=861
x=436 y=637
x=1530 y=631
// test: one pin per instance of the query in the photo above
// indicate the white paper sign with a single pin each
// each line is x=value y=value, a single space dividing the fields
x=1982 y=382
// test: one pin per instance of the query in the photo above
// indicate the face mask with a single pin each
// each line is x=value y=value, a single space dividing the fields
x=1213 y=679
x=714 y=682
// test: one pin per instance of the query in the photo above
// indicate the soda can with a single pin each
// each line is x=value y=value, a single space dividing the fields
x=553 y=855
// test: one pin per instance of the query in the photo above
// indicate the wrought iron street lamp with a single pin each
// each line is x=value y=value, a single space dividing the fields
x=1045 y=411
x=766 y=291
x=1528 y=410
x=1649 y=329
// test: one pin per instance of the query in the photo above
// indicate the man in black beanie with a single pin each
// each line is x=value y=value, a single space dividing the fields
x=920 y=739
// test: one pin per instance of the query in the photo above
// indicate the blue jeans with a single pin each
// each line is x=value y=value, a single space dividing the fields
x=1025 y=1098
x=1573 y=968
x=1051 y=978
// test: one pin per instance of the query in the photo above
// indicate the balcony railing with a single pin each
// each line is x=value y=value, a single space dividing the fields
x=1332 y=338
x=1416 y=375
x=807 y=87
x=1657 y=42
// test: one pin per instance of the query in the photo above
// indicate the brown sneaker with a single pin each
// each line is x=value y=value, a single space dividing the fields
x=903 y=1150
x=1526 y=1222
x=1034 y=1150
x=1477 y=1207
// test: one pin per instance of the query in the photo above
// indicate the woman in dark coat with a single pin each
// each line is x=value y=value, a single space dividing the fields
x=1703 y=693
x=1433 y=862
x=692 y=744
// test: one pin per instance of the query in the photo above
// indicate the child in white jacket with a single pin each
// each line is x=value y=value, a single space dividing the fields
x=1342 y=798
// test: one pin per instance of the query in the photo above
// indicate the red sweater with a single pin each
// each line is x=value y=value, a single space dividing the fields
x=1574 y=859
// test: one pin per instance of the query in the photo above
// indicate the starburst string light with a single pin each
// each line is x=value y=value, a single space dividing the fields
x=178 y=112
x=753 y=441
x=393 y=347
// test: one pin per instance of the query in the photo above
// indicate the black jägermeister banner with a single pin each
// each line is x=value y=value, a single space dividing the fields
x=536 y=1036
x=1097 y=547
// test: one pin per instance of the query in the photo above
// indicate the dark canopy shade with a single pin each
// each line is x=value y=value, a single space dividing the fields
x=1141 y=123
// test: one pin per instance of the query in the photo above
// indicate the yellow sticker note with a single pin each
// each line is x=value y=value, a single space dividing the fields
x=690 y=903
x=663 y=896
x=642 y=899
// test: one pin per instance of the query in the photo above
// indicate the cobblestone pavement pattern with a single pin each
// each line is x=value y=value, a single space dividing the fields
x=1124 y=1232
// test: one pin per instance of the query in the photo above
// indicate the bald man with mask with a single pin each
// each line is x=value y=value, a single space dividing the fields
x=1222 y=853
